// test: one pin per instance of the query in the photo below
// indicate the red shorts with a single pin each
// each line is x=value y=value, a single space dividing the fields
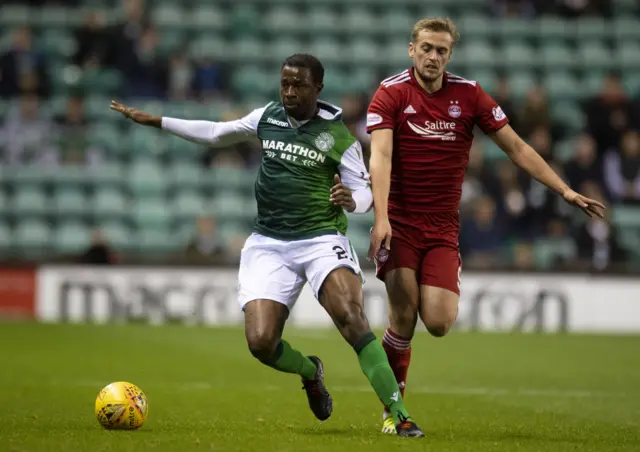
x=428 y=244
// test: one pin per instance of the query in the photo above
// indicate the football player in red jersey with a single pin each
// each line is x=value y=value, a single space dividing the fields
x=421 y=123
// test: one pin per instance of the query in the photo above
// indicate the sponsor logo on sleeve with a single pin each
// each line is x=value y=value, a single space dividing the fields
x=498 y=114
x=373 y=119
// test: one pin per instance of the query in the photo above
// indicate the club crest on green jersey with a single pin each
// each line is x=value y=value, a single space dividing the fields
x=325 y=142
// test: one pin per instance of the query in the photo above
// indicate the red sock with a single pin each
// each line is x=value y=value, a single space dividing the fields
x=399 y=354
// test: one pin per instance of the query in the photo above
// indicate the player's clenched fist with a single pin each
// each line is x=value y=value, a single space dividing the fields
x=341 y=195
x=380 y=239
x=136 y=115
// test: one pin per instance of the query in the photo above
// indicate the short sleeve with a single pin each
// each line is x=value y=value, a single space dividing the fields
x=489 y=116
x=382 y=111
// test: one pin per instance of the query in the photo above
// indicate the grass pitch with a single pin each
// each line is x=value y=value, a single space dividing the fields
x=469 y=392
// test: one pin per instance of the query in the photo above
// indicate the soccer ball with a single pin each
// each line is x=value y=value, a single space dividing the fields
x=121 y=406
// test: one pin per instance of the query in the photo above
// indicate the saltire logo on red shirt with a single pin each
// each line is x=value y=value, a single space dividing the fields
x=439 y=130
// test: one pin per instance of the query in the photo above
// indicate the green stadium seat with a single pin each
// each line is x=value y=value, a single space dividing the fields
x=169 y=16
x=592 y=83
x=626 y=217
x=150 y=213
x=335 y=83
x=564 y=150
x=70 y=176
x=146 y=177
x=29 y=202
x=361 y=80
x=107 y=174
x=171 y=42
x=625 y=7
x=281 y=19
x=243 y=19
x=547 y=251
x=13 y=15
x=396 y=54
x=185 y=175
x=594 y=55
x=6 y=239
x=327 y=50
x=592 y=27
x=209 y=47
x=155 y=241
x=57 y=44
x=562 y=86
x=631 y=83
x=361 y=21
x=475 y=26
x=626 y=28
x=487 y=79
x=248 y=49
x=146 y=141
x=107 y=138
x=56 y=17
x=32 y=235
x=569 y=114
x=477 y=54
x=513 y=29
x=117 y=235
x=231 y=179
x=322 y=20
x=554 y=28
x=282 y=48
x=181 y=149
x=518 y=54
x=230 y=205
x=97 y=108
x=361 y=51
x=628 y=55
x=29 y=175
x=188 y=205
x=252 y=81
x=399 y=22
x=359 y=239
x=208 y=18
x=68 y=202
x=71 y=238
x=557 y=55
x=102 y=82
x=109 y=203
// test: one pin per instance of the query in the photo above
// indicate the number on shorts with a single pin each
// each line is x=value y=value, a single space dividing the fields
x=341 y=253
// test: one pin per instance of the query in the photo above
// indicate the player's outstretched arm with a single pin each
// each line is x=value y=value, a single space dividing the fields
x=352 y=188
x=529 y=160
x=380 y=168
x=201 y=132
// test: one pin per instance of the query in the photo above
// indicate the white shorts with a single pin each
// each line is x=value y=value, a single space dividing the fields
x=276 y=270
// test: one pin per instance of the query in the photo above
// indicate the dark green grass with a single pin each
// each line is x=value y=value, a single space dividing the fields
x=470 y=392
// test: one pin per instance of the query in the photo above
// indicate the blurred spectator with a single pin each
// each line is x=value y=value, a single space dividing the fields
x=72 y=133
x=583 y=166
x=622 y=169
x=523 y=257
x=210 y=79
x=502 y=96
x=581 y=8
x=354 y=112
x=597 y=239
x=507 y=191
x=477 y=178
x=562 y=247
x=608 y=114
x=147 y=72
x=27 y=134
x=180 y=77
x=540 y=140
x=206 y=245
x=514 y=8
x=481 y=236
x=99 y=252
x=535 y=112
x=93 y=41
x=125 y=35
x=22 y=67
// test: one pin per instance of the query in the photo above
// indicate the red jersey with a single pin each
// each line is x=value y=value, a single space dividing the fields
x=432 y=138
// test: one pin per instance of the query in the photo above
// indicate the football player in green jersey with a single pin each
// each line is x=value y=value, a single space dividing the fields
x=312 y=170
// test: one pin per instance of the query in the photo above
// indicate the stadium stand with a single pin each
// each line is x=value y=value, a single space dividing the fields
x=69 y=165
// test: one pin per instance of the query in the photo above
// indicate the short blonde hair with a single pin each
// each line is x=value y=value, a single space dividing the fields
x=435 y=24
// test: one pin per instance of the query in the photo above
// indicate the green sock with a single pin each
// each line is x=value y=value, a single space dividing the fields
x=291 y=361
x=375 y=365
